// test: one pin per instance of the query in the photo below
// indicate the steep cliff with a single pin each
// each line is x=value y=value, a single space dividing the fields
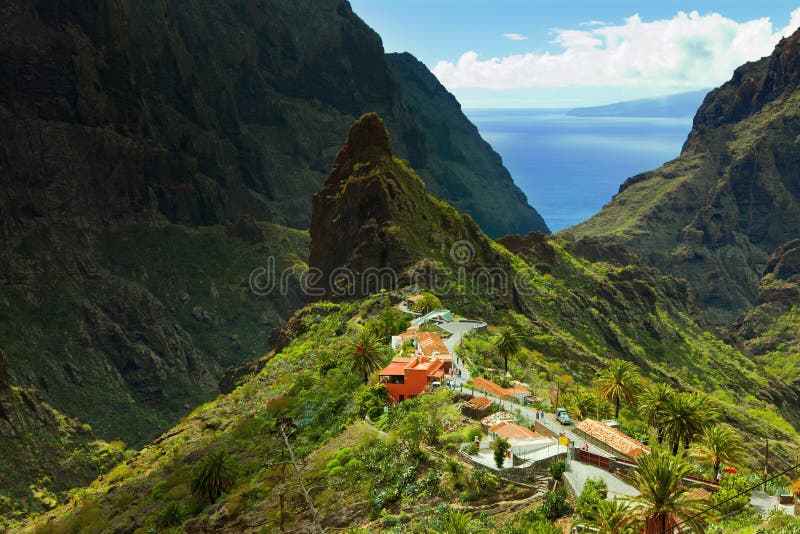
x=201 y=113
x=462 y=168
x=714 y=214
x=152 y=156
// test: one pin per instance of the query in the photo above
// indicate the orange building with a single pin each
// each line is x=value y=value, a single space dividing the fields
x=406 y=378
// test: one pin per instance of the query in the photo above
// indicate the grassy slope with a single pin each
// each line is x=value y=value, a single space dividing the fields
x=310 y=381
x=75 y=328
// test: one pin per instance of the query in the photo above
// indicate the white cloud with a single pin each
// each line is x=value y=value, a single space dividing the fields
x=686 y=51
x=594 y=23
x=515 y=36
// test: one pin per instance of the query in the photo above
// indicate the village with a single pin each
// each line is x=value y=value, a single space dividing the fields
x=534 y=439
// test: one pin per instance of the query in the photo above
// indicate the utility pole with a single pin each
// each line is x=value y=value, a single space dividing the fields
x=766 y=464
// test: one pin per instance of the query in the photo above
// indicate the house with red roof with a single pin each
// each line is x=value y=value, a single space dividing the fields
x=406 y=378
x=427 y=344
x=516 y=392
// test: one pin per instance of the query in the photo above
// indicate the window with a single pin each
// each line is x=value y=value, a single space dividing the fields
x=392 y=379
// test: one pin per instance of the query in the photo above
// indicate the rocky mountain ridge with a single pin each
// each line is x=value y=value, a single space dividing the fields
x=716 y=213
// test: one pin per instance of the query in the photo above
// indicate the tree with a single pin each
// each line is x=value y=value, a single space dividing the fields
x=685 y=416
x=506 y=343
x=367 y=354
x=652 y=403
x=617 y=381
x=718 y=444
x=427 y=303
x=664 y=497
x=214 y=475
x=500 y=446
x=583 y=403
x=389 y=322
x=457 y=522
x=612 y=517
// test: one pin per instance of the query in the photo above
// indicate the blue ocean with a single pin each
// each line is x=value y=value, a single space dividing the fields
x=570 y=166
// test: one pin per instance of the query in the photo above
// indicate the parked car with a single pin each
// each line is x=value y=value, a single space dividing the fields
x=563 y=416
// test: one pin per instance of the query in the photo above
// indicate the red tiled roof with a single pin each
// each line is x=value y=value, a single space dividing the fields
x=513 y=431
x=613 y=438
x=430 y=343
x=494 y=389
x=479 y=403
x=397 y=367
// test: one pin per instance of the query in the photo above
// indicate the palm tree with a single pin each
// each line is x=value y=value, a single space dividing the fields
x=611 y=516
x=583 y=403
x=652 y=403
x=718 y=444
x=506 y=343
x=664 y=498
x=457 y=522
x=214 y=475
x=367 y=357
x=427 y=303
x=685 y=416
x=617 y=381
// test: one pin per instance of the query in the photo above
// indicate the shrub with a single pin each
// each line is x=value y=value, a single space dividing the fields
x=557 y=469
x=594 y=491
x=555 y=504
x=500 y=446
x=214 y=475
x=171 y=514
x=472 y=449
x=731 y=485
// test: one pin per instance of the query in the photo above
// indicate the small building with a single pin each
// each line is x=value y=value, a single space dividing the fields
x=477 y=407
x=516 y=393
x=435 y=315
x=498 y=417
x=413 y=299
x=521 y=439
x=427 y=344
x=406 y=378
x=611 y=440
x=431 y=345
x=399 y=339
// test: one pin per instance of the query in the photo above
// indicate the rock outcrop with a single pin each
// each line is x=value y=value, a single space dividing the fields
x=200 y=114
x=714 y=214
x=373 y=217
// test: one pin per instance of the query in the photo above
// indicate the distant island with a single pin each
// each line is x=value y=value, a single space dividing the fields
x=677 y=105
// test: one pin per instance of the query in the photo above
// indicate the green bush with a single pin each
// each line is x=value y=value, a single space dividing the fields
x=214 y=475
x=557 y=469
x=730 y=485
x=472 y=449
x=594 y=491
x=171 y=514
x=555 y=504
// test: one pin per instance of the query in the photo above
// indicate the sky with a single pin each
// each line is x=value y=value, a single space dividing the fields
x=551 y=54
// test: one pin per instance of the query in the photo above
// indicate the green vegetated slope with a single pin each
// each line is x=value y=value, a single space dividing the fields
x=128 y=328
x=715 y=214
x=576 y=311
x=43 y=453
x=771 y=331
x=153 y=155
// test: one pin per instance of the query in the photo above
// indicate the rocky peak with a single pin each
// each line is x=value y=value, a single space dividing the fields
x=752 y=86
x=374 y=213
x=367 y=141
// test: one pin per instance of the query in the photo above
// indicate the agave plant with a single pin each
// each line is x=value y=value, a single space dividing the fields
x=214 y=475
